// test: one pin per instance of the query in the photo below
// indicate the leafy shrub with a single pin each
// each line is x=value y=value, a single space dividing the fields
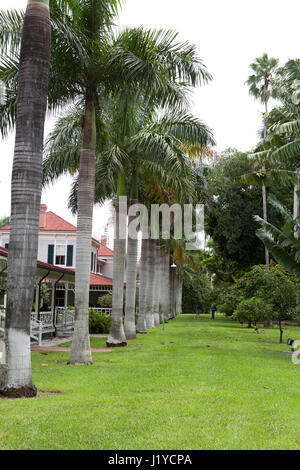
x=105 y=301
x=99 y=323
x=226 y=308
x=253 y=310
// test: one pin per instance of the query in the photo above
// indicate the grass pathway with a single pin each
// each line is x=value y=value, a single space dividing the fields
x=197 y=385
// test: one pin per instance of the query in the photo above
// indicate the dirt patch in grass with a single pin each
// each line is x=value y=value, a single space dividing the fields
x=21 y=392
x=48 y=393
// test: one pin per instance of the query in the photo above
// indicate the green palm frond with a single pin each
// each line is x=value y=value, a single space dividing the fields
x=280 y=253
x=11 y=23
x=291 y=127
x=269 y=177
x=285 y=153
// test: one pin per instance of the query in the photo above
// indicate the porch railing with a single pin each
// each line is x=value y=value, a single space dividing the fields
x=107 y=311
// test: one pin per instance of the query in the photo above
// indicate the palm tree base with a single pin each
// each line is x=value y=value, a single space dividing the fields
x=133 y=336
x=26 y=391
x=116 y=345
x=78 y=363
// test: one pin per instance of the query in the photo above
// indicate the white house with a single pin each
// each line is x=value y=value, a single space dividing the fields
x=57 y=247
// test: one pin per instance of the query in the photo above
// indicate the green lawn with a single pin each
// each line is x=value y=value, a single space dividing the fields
x=197 y=385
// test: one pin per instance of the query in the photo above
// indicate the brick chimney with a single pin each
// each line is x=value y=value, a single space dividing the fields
x=104 y=240
x=43 y=215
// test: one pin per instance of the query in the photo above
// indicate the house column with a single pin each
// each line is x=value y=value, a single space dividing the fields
x=4 y=301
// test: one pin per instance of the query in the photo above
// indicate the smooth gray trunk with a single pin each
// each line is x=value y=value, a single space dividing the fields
x=166 y=287
x=131 y=272
x=15 y=376
x=172 y=272
x=116 y=335
x=141 y=323
x=296 y=197
x=150 y=284
x=81 y=351
x=179 y=297
x=157 y=283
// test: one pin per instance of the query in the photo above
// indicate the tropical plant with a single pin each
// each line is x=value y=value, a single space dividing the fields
x=271 y=284
x=284 y=243
x=260 y=87
x=252 y=311
x=99 y=323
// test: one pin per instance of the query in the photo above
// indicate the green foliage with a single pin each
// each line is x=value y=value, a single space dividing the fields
x=282 y=243
x=226 y=308
x=253 y=310
x=105 y=301
x=230 y=210
x=261 y=80
x=4 y=221
x=274 y=286
x=45 y=297
x=99 y=323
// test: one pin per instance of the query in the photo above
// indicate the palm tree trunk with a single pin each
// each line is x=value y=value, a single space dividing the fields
x=180 y=284
x=264 y=189
x=166 y=287
x=116 y=337
x=172 y=292
x=15 y=376
x=150 y=284
x=265 y=216
x=296 y=197
x=157 y=281
x=81 y=351
x=131 y=272
x=141 y=323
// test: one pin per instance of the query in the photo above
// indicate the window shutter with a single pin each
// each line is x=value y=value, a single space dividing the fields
x=50 y=254
x=70 y=255
x=92 y=261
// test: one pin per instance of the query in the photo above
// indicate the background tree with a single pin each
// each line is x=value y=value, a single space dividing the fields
x=260 y=87
x=230 y=209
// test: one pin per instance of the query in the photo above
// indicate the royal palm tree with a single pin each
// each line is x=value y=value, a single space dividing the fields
x=26 y=190
x=87 y=61
x=260 y=87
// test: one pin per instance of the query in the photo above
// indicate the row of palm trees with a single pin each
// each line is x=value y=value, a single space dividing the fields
x=124 y=130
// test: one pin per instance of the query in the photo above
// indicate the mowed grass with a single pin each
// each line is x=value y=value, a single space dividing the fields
x=197 y=385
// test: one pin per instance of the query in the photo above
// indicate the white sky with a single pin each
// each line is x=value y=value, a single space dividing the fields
x=229 y=34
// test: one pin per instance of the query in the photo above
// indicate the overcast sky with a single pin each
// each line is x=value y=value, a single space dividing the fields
x=228 y=34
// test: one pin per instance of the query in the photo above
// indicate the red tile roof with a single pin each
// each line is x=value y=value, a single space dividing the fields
x=95 y=279
x=98 y=280
x=53 y=223
x=103 y=250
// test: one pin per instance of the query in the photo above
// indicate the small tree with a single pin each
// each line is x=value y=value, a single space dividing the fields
x=274 y=286
x=253 y=310
x=105 y=301
x=283 y=297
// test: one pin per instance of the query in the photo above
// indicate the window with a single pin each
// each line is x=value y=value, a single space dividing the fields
x=60 y=254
